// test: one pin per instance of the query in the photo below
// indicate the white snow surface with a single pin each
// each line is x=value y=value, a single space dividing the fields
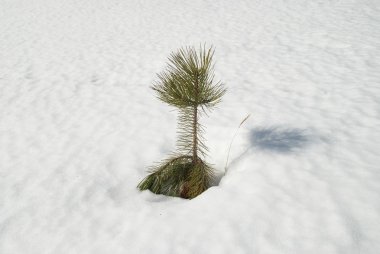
x=80 y=126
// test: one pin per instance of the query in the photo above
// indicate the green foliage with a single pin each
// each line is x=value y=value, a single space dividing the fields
x=189 y=80
x=187 y=84
x=178 y=177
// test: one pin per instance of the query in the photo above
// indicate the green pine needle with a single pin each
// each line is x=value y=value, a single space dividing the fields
x=189 y=80
x=179 y=177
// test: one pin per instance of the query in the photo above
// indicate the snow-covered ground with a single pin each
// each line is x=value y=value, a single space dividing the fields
x=79 y=126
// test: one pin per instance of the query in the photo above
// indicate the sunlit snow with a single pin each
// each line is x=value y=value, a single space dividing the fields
x=80 y=126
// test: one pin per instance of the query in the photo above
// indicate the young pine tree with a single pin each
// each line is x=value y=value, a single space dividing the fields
x=187 y=84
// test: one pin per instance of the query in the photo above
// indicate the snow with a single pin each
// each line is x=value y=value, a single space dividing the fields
x=79 y=126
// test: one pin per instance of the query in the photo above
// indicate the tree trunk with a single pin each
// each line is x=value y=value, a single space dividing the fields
x=195 y=136
x=195 y=123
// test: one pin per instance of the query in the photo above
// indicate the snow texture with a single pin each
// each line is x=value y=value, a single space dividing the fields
x=79 y=127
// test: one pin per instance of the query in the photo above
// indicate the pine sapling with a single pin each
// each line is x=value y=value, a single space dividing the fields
x=187 y=84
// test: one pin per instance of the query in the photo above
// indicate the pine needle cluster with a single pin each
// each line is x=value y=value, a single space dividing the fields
x=187 y=84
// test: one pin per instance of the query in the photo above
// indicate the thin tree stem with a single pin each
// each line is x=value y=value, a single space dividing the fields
x=195 y=123
x=195 y=136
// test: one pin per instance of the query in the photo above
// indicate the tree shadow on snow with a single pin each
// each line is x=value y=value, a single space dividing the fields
x=280 y=140
x=275 y=140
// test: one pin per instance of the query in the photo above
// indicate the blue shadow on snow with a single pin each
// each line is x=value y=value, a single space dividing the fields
x=276 y=139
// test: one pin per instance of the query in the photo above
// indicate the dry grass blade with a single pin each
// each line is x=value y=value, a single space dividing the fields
x=232 y=140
